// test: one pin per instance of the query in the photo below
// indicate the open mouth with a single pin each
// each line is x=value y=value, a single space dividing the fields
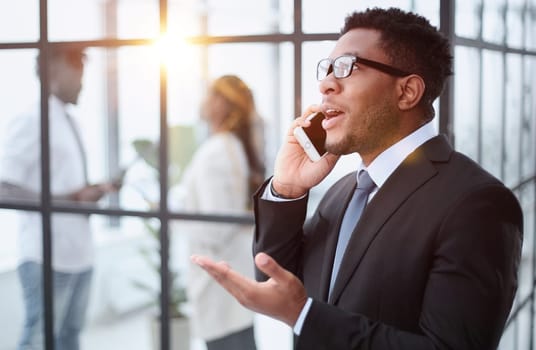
x=331 y=113
x=331 y=118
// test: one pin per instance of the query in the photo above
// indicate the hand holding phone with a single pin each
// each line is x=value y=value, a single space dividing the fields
x=117 y=181
x=312 y=138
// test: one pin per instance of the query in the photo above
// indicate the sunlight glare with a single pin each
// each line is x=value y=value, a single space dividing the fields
x=172 y=50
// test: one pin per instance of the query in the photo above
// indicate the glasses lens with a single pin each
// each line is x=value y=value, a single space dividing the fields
x=342 y=66
x=322 y=69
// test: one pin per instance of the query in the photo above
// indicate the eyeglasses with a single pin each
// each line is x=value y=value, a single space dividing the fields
x=342 y=67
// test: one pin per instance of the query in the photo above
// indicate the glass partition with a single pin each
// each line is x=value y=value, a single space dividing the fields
x=212 y=17
x=97 y=19
x=123 y=304
x=467 y=97
x=19 y=21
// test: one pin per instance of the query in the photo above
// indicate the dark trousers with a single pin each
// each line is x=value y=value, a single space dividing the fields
x=241 y=340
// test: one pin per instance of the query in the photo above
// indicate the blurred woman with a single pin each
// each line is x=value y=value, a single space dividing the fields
x=220 y=179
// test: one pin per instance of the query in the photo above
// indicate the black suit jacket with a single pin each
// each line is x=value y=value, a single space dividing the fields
x=432 y=263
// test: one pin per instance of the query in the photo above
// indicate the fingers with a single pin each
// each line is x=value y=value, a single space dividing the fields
x=281 y=297
x=302 y=120
x=271 y=268
x=232 y=281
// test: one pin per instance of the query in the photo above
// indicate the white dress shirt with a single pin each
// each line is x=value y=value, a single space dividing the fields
x=20 y=164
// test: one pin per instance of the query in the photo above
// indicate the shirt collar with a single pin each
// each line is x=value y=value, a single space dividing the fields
x=386 y=162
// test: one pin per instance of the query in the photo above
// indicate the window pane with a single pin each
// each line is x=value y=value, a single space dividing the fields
x=19 y=20
x=135 y=19
x=265 y=68
x=514 y=23
x=207 y=301
x=513 y=89
x=125 y=285
x=492 y=111
x=466 y=97
x=312 y=53
x=269 y=71
x=139 y=119
x=530 y=25
x=20 y=149
x=526 y=197
x=21 y=235
x=528 y=135
x=493 y=28
x=315 y=19
x=93 y=19
x=428 y=9
x=468 y=19
x=230 y=17
x=106 y=118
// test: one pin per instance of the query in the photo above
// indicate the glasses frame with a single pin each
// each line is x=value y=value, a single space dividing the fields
x=382 y=67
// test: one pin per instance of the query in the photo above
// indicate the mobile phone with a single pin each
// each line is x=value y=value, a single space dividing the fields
x=118 y=179
x=312 y=138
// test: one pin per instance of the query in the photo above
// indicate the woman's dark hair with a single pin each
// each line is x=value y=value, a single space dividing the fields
x=412 y=45
x=241 y=122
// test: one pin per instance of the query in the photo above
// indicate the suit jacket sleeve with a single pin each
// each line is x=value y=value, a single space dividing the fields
x=279 y=231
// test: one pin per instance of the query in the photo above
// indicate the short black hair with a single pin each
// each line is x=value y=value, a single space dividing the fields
x=412 y=45
x=74 y=55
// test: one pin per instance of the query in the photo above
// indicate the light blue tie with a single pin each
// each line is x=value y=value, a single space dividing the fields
x=365 y=186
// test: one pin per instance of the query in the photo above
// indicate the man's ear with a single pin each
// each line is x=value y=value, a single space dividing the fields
x=411 y=90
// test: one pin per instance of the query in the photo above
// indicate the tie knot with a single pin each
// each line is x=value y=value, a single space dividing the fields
x=364 y=182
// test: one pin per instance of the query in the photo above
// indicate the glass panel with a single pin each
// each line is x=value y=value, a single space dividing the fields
x=98 y=126
x=468 y=18
x=507 y=338
x=526 y=197
x=93 y=19
x=19 y=20
x=139 y=119
x=214 y=17
x=530 y=25
x=207 y=301
x=492 y=111
x=19 y=124
x=514 y=23
x=189 y=91
x=265 y=68
x=493 y=28
x=428 y=9
x=466 y=98
x=312 y=52
x=513 y=90
x=11 y=301
x=316 y=21
x=135 y=19
x=528 y=135
x=21 y=241
x=125 y=284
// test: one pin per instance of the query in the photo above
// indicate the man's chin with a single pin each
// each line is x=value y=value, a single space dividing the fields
x=338 y=149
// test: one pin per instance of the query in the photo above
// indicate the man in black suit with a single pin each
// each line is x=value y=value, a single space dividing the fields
x=433 y=259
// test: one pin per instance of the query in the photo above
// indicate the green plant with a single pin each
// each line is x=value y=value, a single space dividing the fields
x=177 y=292
x=182 y=145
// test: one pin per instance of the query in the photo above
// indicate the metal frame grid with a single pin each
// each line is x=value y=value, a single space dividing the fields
x=296 y=38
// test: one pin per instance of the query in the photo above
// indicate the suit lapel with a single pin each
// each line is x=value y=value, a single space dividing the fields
x=414 y=171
